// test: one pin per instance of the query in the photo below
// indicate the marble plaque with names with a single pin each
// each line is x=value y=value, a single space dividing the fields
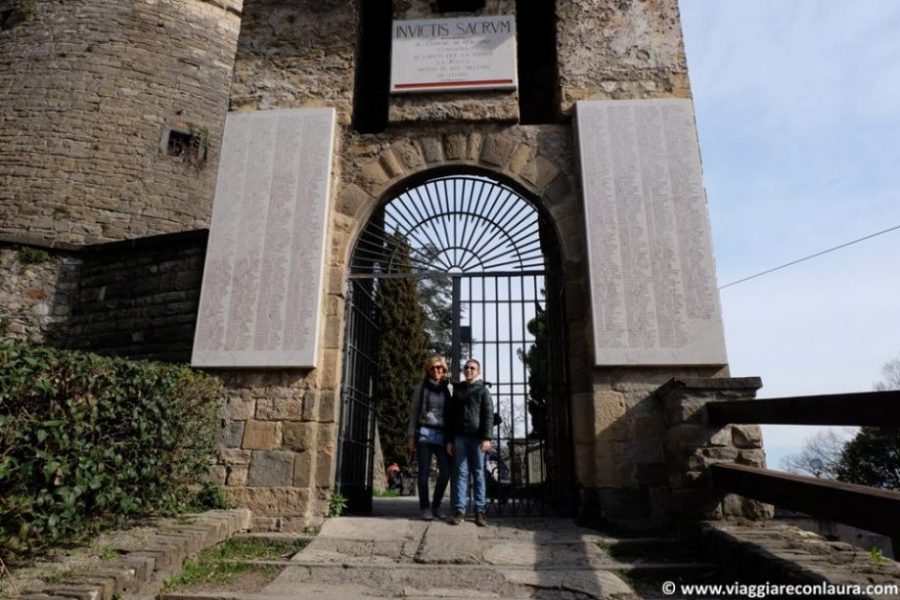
x=653 y=283
x=260 y=304
x=465 y=53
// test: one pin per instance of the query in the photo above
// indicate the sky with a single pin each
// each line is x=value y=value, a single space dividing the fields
x=798 y=113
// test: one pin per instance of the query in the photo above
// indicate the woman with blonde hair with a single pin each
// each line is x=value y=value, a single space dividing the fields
x=426 y=432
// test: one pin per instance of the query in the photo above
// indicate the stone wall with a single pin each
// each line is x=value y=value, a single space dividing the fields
x=293 y=54
x=88 y=89
x=139 y=298
x=620 y=50
x=692 y=445
x=277 y=446
x=620 y=444
x=37 y=287
x=134 y=298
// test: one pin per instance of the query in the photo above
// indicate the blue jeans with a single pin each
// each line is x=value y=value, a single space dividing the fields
x=468 y=458
x=424 y=452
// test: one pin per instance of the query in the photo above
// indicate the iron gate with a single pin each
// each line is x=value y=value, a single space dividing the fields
x=356 y=437
x=487 y=243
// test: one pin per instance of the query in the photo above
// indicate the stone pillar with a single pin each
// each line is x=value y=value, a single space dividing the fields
x=692 y=445
x=276 y=447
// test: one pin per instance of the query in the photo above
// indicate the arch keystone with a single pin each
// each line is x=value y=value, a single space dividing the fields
x=433 y=149
x=455 y=146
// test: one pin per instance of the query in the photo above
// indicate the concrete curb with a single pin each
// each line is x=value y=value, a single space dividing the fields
x=140 y=566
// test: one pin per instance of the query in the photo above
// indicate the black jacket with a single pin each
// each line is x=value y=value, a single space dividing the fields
x=471 y=411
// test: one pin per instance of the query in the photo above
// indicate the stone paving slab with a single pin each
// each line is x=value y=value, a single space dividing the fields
x=523 y=553
x=522 y=558
x=443 y=543
x=595 y=584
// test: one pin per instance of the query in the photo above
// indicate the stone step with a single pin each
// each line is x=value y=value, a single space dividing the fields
x=348 y=592
x=504 y=581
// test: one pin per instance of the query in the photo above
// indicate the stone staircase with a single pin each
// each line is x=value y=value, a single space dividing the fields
x=400 y=556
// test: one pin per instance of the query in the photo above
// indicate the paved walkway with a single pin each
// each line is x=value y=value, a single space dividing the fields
x=395 y=554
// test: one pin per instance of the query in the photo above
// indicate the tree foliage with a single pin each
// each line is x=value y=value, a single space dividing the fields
x=537 y=362
x=435 y=296
x=872 y=458
x=401 y=352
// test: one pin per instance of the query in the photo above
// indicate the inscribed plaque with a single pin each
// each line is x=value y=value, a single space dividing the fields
x=469 y=53
x=260 y=304
x=653 y=283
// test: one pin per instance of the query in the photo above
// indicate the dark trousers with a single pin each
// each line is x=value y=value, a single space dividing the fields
x=424 y=452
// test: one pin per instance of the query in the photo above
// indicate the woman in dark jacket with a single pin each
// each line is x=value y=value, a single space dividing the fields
x=426 y=432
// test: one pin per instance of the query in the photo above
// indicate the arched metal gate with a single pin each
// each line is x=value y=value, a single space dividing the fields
x=488 y=249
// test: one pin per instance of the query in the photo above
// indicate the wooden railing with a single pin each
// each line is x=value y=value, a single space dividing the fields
x=861 y=506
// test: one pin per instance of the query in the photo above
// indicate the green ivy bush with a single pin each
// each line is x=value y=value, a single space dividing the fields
x=86 y=441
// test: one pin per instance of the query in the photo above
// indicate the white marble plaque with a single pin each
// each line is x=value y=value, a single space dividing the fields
x=653 y=283
x=469 y=53
x=260 y=304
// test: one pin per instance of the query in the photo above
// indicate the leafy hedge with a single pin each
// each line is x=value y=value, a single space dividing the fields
x=86 y=440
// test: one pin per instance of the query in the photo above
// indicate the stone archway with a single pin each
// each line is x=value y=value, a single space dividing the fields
x=503 y=158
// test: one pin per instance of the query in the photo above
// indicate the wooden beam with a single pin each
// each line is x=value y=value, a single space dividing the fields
x=858 y=505
x=863 y=408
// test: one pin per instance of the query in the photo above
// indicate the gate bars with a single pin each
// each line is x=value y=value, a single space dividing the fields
x=507 y=312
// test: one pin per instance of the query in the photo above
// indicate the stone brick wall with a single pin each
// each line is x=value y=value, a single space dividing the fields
x=87 y=89
x=620 y=444
x=692 y=445
x=299 y=53
x=139 y=298
x=276 y=447
x=134 y=298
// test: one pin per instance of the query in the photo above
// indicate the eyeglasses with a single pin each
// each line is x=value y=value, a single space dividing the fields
x=436 y=368
x=470 y=368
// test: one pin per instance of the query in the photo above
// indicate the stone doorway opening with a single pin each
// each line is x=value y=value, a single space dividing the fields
x=480 y=262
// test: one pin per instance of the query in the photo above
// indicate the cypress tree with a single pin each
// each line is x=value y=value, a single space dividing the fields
x=401 y=352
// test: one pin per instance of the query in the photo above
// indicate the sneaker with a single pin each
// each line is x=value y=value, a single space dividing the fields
x=480 y=519
x=427 y=514
x=456 y=519
x=438 y=514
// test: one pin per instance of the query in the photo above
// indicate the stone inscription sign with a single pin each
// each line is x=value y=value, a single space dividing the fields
x=260 y=305
x=472 y=53
x=653 y=283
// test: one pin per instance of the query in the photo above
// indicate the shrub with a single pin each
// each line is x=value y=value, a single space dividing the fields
x=33 y=256
x=86 y=440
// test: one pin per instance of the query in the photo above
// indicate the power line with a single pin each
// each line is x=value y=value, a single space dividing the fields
x=800 y=260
